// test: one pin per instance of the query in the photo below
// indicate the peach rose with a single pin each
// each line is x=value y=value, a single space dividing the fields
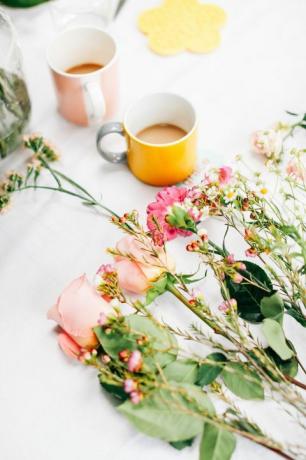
x=77 y=311
x=137 y=276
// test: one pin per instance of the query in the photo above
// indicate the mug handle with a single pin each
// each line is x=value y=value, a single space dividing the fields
x=94 y=101
x=111 y=128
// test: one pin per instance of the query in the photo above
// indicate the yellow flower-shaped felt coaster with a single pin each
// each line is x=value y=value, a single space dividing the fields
x=179 y=25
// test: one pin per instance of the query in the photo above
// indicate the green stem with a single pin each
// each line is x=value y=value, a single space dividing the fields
x=195 y=310
x=92 y=202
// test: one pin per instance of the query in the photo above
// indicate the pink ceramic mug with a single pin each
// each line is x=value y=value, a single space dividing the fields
x=85 y=98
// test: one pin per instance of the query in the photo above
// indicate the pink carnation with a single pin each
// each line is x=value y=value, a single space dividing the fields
x=158 y=211
x=225 y=174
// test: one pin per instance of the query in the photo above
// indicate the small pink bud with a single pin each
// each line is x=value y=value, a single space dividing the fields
x=105 y=359
x=237 y=278
x=228 y=305
x=136 y=397
x=251 y=252
x=240 y=266
x=129 y=386
x=135 y=361
x=230 y=259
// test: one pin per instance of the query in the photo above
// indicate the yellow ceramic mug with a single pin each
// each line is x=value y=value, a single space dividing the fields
x=155 y=164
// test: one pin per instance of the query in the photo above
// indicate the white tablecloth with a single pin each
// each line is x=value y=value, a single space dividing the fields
x=52 y=408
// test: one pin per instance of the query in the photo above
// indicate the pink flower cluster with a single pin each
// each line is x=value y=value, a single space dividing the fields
x=157 y=211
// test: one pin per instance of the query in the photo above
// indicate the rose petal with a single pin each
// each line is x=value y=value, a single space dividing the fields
x=131 y=277
x=69 y=346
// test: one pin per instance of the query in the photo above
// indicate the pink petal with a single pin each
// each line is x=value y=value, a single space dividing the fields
x=80 y=306
x=69 y=346
x=131 y=277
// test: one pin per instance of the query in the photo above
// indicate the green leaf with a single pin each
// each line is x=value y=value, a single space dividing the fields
x=163 y=413
x=242 y=382
x=158 y=288
x=290 y=366
x=216 y=443
x=164 y=343
x=275 y=336
x=247 y=295
x=180 y=445
x=181 y=371
x=22 y=3
x=115 y=390
x=272 y=307
x=208 y=372
x=114 y=342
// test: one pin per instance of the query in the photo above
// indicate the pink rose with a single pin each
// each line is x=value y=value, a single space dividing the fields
x=77 y=311
x=267 y=142
x=137 y=275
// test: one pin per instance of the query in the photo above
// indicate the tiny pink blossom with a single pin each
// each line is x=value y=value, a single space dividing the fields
x=230 y=259
x=296 y=170
x=136 y=397
x=135 y=361
x=251 y=252
x=102 y=320
x=240 y=266
x=225 y=175
x=237 y=278
x=129 y=386
x=105 y=268
x=228 y=305
x=267 y=143
x=105 y=359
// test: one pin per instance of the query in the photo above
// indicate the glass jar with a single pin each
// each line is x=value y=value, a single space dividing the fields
x=73 y=13
x=15 y=106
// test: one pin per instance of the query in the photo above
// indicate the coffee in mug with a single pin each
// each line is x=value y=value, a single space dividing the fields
x=87 y=67
x=162 y=133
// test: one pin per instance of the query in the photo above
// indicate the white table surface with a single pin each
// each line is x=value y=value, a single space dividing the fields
x=52 y=408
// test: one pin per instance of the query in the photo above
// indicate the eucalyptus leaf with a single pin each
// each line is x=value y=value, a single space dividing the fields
x=181 y=371
x=113 y=342
x=247 y=295
x=275 y=336
x=163 y=343
x=273 y=307
x=242 y=382
x=163 y=414
x=290 y=366
x=216 y=443
x=208 y=372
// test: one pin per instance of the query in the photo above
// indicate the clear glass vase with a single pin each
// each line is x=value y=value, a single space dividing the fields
x=15 y=106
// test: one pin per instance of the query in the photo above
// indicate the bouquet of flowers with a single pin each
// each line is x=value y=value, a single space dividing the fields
x=165 y=390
